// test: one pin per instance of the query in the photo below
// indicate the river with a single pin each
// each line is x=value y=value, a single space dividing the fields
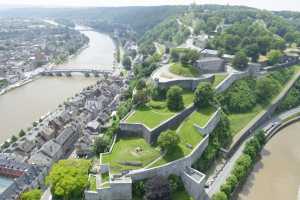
x=276 y=176
x=21 y=106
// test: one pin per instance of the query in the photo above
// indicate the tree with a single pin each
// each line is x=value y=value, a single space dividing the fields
x=233 y=181
x=261 y=137
x=138 y=189
x=69 y=178
x=226 y=188
x=240 y=60
x=101 y=144
x=240 y=97
x=219 y=196
x=231 y=42
x=245 y=160
x=252 y=51
x=174 y=98
x=157 y=188
x=274 y=56
x=126 y=62
x=34 y=194
x=204 y=95
x=175 y=183
x=21 y=133
x=266 y=88
x=252 y=148
x=140 y=98
x=264 y=43
x=13 y=139
x=239 y=171
x=278 y=43
x=167 y=140
x=141 y=84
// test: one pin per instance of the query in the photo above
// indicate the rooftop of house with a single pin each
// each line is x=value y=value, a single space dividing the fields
x=51 y=148
x=65 y=135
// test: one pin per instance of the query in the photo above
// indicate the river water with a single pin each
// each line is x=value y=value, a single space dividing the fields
x=21 y=106
x=276 y=176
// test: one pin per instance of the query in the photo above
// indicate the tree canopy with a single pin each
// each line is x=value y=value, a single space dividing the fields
x=174 y=98
x=34 y=194
x=240 y=60
x=274 y=56
x=204 y=95
x=157 y=188
x=167 y=140
x=69 y=178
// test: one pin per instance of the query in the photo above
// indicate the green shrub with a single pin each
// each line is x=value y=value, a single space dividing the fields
x=226 y=188
x=175 y=99
x=233 y=181
x=266 y=88
x=240 y=97
x=138 y=189
x=34 y=194
x=168 y=139
x=219 y=196
x=204 y=95
x=175 y=183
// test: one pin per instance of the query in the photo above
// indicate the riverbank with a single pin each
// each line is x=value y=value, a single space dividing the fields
x=26 y=101
x=270 y=128
x=276 y=174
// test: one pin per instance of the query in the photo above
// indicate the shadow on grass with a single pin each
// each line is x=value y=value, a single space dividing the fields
x=143 y=108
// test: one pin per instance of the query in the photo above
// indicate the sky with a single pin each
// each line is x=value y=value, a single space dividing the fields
x=262 y=4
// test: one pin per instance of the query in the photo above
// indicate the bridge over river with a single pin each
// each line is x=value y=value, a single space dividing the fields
x=84 y=70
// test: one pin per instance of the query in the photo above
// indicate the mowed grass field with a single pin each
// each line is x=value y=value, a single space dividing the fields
x=190 y=137
x=125 y=150
x=186 y=71
x=218 y=79
x=239 y=120
x=156 y=112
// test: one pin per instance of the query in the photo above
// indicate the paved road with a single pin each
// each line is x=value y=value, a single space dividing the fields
x=224 y=174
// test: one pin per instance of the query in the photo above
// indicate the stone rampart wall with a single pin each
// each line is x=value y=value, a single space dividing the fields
x=193 y=186
x=226 y=83
x=189 y=84
x=175 y=167
x=211 y=124
x=151 y=135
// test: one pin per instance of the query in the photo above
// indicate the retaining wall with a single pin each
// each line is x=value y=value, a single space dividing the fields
x=226 y=83
x=118 y=190
x=211 y=124
x=151 y=135
x=174 y=167
x=189 y=84
x=194 y=182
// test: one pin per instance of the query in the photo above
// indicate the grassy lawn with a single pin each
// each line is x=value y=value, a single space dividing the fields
x=218 y=79
x=125 y=150
x=92 y=181
x=239 y=120
x=187 y=71
x=189 y=136
x=155 y=112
